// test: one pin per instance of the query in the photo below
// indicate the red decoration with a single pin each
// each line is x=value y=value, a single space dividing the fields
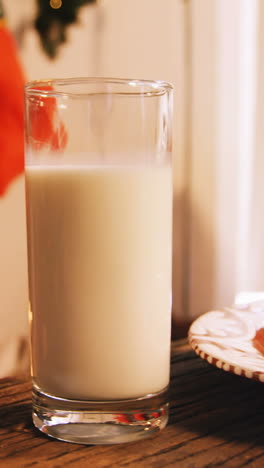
x=11 y=112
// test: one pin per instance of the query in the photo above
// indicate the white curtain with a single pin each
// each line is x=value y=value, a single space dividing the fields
x=224 y=228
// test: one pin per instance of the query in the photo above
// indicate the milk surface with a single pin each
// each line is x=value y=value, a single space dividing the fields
x=99 y=241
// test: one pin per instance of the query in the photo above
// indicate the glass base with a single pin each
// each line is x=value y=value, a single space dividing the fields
x=97 y=423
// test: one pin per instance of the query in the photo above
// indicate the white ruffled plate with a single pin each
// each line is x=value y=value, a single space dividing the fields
x=224 y=338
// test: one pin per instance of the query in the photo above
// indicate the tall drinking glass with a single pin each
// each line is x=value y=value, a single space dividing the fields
x=99 y=225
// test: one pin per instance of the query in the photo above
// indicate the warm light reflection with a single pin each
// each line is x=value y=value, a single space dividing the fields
x=29 y=313
x=30 y=317
x=55 y=4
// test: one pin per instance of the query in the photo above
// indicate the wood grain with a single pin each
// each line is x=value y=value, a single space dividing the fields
x=217 y=419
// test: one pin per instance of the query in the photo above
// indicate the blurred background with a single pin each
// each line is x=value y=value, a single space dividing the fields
x=211 y=51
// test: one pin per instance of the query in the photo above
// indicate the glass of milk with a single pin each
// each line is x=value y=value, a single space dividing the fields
x=99 y=226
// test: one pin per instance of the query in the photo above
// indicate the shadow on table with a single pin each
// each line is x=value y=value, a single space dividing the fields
x=17 y=418
x=209 y=401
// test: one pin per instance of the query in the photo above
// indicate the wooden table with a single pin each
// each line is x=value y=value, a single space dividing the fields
x=217 y=419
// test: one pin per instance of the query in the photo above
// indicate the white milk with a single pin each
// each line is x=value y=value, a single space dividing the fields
x=100 y=279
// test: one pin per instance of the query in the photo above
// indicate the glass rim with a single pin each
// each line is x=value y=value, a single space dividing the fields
x=153 y=87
